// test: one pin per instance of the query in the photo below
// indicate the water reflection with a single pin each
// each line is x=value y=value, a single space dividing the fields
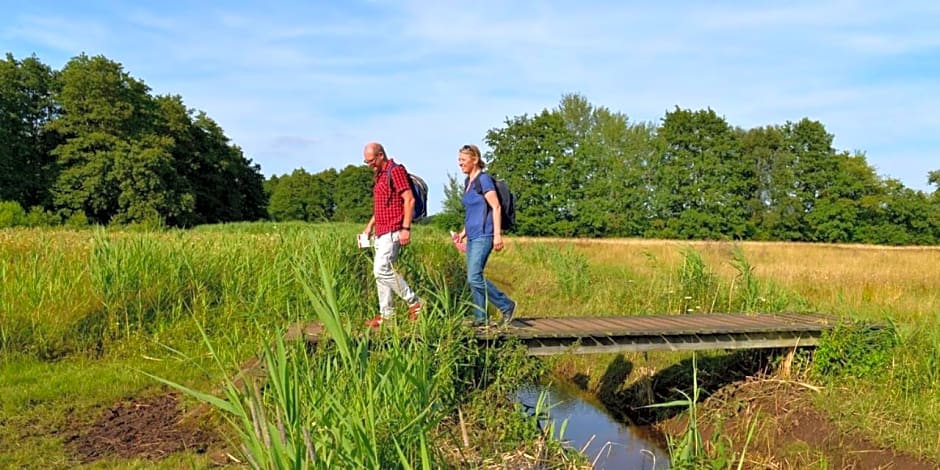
x=607 y=443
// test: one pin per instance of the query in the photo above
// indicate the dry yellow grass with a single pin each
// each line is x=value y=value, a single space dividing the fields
x=848 y=279
x=897 y=407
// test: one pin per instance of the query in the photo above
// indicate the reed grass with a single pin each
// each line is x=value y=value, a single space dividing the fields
x=368 y=400
x=147 y=300
x=105 y=296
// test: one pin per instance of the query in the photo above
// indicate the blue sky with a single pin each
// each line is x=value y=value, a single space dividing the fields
x=307 y=84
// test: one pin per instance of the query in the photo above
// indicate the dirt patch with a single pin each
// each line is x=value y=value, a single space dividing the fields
x=149 y=428
x=789 y=432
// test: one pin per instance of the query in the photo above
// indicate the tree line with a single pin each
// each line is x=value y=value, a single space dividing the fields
x=90 y=144
x=581 y=170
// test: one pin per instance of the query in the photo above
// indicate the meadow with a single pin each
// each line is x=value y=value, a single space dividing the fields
x=91 y=317
x=885 y=388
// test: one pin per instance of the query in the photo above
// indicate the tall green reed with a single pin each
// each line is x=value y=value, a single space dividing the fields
x=41 y=288
x=698 y=285
x=750 y=294
x=691 y=450
x=361 y=401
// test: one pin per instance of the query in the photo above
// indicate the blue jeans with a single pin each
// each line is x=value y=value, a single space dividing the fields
x=478 y=251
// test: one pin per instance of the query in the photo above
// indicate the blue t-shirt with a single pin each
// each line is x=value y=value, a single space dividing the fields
x=478 y=216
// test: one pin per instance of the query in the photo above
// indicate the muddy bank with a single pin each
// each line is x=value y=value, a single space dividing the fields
x=789 y=431
x=156 y=426
x=150 y=427
x=738 y=391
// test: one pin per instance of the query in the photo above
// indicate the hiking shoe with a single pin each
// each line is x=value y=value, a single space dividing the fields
x=414 y=310
x=376 y=322
x=507 y=315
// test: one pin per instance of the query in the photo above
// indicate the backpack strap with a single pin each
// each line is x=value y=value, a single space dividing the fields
x=391 y=184
x=478 y=185
x=479 y=189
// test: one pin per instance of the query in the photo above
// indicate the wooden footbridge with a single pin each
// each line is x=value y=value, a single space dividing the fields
x=586 y=335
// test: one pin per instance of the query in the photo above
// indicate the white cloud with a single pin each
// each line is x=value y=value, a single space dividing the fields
x=309 y=84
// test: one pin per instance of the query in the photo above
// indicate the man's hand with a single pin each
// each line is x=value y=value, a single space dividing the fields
x=404 y=237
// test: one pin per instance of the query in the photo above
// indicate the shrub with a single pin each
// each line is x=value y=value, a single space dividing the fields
x=857 y=350
x=11 y=214
x=39 y=217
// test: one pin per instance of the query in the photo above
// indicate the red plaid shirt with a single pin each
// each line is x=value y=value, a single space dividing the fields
x=387 y=205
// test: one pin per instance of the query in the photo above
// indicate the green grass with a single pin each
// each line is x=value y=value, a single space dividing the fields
x=40 y=401
x=86 y=313
x=360 y=402
x=98 y=316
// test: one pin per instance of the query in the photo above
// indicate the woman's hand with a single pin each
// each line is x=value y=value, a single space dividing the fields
x=457 y=238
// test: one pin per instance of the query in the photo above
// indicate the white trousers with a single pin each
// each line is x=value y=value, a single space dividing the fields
x=387 y=280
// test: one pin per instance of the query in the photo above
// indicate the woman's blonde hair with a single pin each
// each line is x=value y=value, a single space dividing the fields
x=474 y=151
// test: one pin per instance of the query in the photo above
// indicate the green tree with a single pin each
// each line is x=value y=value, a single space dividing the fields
x=27 y=105
x=223 y=185
x=229 y=186
x=114 y=165
x=248 y=201
x=775 y=210
x=270 y=185
x=898 y=215
x=838 y=209
x=289 y=201
x=352 y=197
x=302 y=196
x=534 y=156
x=608 y=180
x=701 y=182
x=815 y=166
x=11 y=214
x=323 y=186
x=933 y=178
x=451 y=216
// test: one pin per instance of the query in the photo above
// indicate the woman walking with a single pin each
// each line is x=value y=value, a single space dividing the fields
x=483 y=233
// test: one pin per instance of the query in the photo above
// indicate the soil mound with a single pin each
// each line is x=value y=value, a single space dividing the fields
x=149 y=428
x=789 y=431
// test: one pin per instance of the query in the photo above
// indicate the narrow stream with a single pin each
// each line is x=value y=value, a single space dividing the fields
x=606 y=442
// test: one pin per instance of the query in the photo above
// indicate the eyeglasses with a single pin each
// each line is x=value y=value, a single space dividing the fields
x=369 y=161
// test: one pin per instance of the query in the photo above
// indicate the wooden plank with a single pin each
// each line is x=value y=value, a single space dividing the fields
x=572 y=325
x=668 y=326
x=643 y=323
x=614 y=325
x=676 y=324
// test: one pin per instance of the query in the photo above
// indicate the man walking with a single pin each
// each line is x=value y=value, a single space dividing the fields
x=392 y=210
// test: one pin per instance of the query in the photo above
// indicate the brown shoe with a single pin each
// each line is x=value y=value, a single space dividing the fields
x=414 y=310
